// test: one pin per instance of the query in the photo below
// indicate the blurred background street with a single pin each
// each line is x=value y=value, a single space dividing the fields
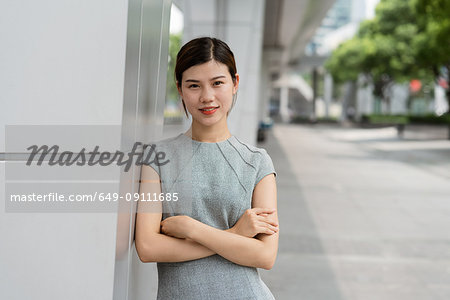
x=363 y=215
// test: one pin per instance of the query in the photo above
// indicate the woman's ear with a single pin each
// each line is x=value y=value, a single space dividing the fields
x=179 y=88
x=236 y=83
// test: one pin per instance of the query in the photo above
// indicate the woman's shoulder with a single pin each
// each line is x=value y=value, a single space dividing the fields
x=256 y=157
x=247 y=147
x=165 y=141
x=163 y=147
x=249 y=151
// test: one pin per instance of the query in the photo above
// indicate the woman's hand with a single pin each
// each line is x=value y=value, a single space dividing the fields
x=254 y=221
x=177 y=226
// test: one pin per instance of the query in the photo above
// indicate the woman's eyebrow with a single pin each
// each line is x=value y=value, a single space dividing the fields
x=217 y=77
x=214 y=78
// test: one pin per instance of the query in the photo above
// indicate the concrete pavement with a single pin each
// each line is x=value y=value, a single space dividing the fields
x=363 y=215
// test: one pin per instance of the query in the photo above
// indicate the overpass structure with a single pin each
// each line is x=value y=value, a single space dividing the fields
x=268 y=39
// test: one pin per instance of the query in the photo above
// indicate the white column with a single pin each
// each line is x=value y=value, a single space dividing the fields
x=440 y=102
x=264 y=91
x=240 y=25
x=328 y=93
x=284 y=100
x=79 y=63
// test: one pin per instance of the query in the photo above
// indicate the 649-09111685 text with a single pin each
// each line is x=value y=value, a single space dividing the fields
x=102 y=197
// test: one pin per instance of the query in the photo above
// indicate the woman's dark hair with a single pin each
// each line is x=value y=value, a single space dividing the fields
x=202 y=50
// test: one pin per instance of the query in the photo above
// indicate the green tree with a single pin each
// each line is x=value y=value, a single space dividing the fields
x=432 y=44
x=346 y=62
x=381 y=50
x=174 y=47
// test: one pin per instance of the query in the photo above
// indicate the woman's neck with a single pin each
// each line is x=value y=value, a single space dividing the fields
x=209 y=134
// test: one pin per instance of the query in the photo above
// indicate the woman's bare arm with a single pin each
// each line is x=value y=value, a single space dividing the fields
x=151 y=244
x=154 y=246
x=257 y=252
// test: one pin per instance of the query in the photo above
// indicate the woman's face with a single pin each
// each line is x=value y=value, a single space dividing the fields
x=206 y=86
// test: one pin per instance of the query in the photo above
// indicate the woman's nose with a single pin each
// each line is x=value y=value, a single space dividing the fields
x=207 y=95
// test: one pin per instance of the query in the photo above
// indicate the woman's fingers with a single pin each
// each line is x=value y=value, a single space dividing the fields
x=268 y=229
x=268 y=220
x=273 y=228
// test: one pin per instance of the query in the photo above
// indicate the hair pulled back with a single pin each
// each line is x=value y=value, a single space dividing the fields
x=202 y=50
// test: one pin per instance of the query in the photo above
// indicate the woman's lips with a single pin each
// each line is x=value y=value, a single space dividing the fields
x=208 y=112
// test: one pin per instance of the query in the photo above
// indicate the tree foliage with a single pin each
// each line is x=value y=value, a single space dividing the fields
x=174 y=47
x=406 y=39
x=432 y=45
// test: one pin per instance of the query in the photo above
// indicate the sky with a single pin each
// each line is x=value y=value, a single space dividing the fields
x=370 y=8
x=176 y=20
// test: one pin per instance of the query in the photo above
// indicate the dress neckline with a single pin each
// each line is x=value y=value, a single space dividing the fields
x=206 y=143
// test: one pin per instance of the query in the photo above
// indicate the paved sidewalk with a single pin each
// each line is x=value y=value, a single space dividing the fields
x=362 y=215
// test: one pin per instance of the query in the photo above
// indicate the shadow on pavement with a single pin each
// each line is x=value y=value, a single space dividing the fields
x=302 y=270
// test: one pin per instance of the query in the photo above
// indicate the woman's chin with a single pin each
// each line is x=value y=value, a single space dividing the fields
x=208 y=121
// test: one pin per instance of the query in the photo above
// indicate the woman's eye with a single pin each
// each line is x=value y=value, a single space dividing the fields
x=218 y=83
x=193 y=85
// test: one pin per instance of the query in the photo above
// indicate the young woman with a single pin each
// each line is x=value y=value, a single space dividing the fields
x=217 y=221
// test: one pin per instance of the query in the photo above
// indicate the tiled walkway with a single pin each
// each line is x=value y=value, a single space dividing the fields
x=362 y=215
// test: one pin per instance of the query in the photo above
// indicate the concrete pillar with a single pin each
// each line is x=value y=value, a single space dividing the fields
x=349 y=100
x=314 y=84
x=284 y=101
x=79 y=63
x=365 y=98
x=440 y=102
x=240 y=25
x=328 y=93
x=143 y=118
x=264 y=92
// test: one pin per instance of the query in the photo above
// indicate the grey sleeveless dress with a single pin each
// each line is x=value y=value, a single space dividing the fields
x=213 y=183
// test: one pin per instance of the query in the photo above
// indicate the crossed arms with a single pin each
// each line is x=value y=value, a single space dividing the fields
x=252 y=241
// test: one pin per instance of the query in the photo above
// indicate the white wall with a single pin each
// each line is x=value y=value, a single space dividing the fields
x=76 y=62
x=62 y=62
